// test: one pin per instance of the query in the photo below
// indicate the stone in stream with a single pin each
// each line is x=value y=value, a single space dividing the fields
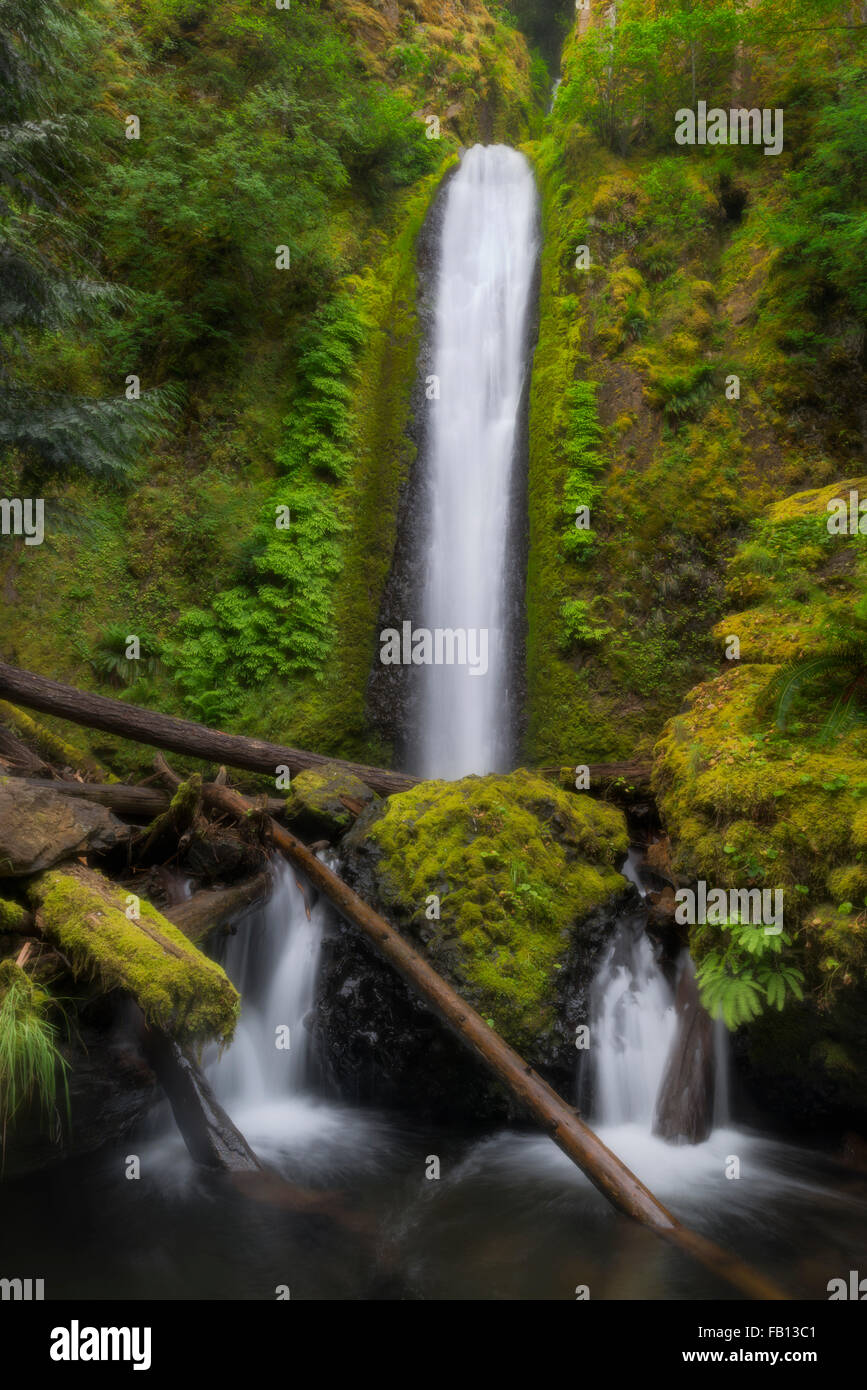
x=39 y=827
x=684 y=1108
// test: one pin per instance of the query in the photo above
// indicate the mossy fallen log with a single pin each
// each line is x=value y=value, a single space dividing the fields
x=177 y=988
x=54 y=750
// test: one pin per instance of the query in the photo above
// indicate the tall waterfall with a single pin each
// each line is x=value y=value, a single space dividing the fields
x=488 y=252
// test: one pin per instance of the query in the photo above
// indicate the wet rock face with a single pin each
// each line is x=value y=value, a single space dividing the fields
x=39 y=827
x=684 y=1110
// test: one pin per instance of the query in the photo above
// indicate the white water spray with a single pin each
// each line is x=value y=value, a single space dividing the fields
x=488 y=252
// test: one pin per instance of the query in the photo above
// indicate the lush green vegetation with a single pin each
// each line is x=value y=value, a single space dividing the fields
x=706 y=263
x=290 y=386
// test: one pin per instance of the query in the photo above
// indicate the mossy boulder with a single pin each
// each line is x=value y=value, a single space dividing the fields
x=506 y=884
x=177 y=987
x=327 y=800
x=39 y=827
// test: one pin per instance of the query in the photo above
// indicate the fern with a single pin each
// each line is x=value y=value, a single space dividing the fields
x=746 y=973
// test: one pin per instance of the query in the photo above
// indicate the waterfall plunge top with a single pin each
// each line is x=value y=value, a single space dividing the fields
x=487 y=257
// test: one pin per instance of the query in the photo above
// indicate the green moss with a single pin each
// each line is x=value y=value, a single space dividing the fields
x=749 y=805
x=13 y=917
x=326 y=799
x=177 y=987
x=517 y=863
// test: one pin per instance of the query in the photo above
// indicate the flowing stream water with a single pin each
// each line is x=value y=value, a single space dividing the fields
x=510 y=1216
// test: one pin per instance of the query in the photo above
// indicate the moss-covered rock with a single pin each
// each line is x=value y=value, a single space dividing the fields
x=504 y=882
x=177 y=988
x=327 y=800
x=748 y=804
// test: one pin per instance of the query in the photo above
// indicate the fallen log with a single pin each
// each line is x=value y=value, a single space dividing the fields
x=19 y=758
x=176 y=735
x=634 y=774
x=235 y=750
x=214 y=907
x=136 y=803
x=605 y=1170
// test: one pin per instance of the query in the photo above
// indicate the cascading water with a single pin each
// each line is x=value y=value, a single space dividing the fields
x=633 y=1025
x=273 y=961
x=487 y=262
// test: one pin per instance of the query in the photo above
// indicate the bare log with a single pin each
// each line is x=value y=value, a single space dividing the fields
x=235 y=750
x=605 y=1170
x=634 y=774
x=17 y=756
x=176 y=735
x=210 y=1136
x=215 y=907
x=135 y=803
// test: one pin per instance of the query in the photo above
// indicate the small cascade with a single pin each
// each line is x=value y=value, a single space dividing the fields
x=657 y=1061
x=273 y=960
x=633 y=1023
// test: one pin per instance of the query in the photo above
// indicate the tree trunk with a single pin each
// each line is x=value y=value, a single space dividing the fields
x=211 y=745
x=208 y=1133
x=215 y=907
x=177 y=735
x=605 y=1170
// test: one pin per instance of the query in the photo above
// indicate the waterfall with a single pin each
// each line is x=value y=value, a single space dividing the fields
x=487 y=258
x=273 y=961
x=656 y=1061
x=633 y=1024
